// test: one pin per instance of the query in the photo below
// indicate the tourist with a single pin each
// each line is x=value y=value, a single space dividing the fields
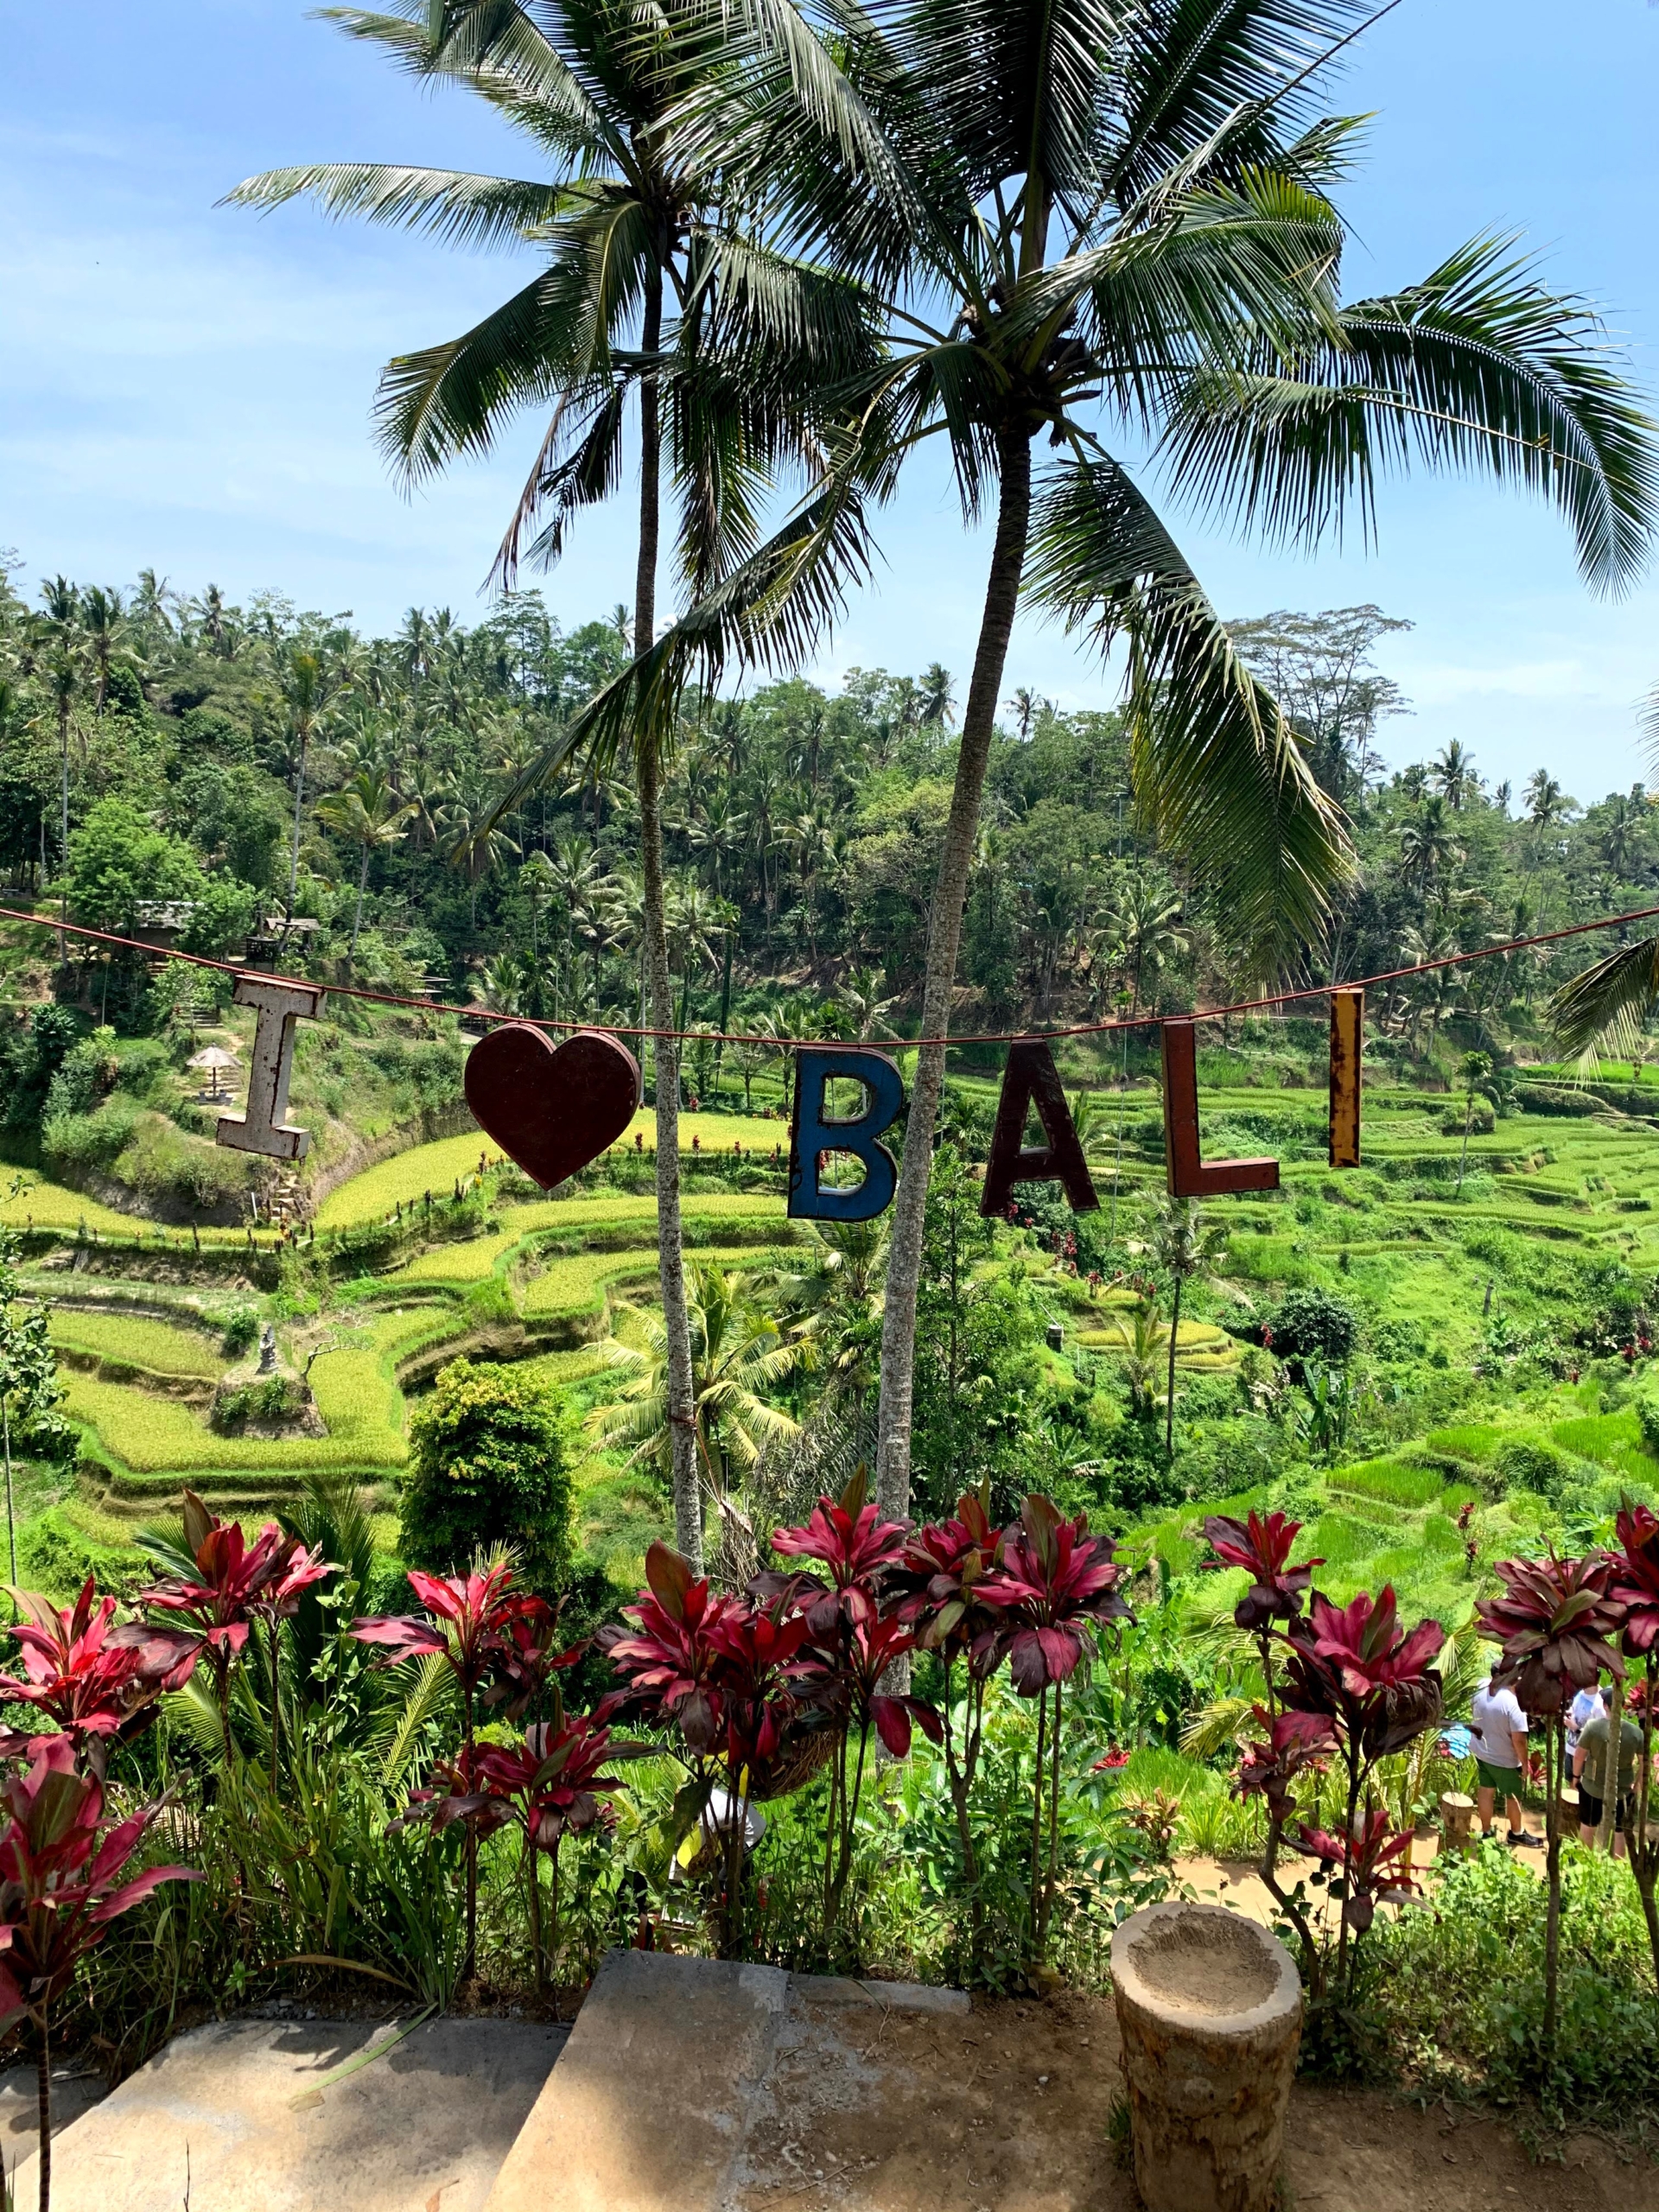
x=1590 y=1764
x=1498 y=1732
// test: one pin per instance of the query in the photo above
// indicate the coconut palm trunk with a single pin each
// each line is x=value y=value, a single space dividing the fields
x=944 y=940
x=647 y=762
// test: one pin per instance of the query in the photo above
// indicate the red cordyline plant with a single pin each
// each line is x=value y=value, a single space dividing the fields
x=855 y=1639
x=946 y=1565
x=1555 y=1622
x=1370 y=1856
x=1635 y=1587
x=722 y=1670
x=1378 y=1687
x=226 y=1585
x=1261 y=1545
x=1056 y=1588
x=469 y=1619
x=58 y=1894
x=95 y=1681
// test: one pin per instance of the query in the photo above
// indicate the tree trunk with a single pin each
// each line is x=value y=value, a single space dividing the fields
x=11 y=1518
x=647 y=764
x=1553 y=1871
x=362 y=885
x=943 y=936
x=1169 y=1401
x=43 y=2092
x=299 y=797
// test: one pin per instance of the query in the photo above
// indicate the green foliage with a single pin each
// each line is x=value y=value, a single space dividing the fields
x=1457 y=1989
x=1313 y=1323
x=488 y=1466
x=118 y=858
x=1525 y=1463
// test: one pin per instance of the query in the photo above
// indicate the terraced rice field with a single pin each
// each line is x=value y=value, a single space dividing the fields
x=1543 y=1196
x=405 y=1179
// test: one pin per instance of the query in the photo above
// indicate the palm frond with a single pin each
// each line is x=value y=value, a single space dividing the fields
x=1218 y=774
x=496 y=50
x=450 y=205
x=1609 y=1001
x=1478 y=367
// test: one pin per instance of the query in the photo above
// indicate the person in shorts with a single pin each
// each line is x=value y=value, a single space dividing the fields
x=1590 y=1764
x=1498 y=1730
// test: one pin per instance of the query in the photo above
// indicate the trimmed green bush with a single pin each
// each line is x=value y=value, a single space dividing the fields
x=486 y=1466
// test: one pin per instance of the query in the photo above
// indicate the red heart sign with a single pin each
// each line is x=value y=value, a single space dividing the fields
x=551 y=1110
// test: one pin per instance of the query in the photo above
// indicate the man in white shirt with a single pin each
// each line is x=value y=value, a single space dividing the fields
x=1498 y=1729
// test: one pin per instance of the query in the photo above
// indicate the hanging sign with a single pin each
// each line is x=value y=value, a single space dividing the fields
x=264 y=1126
x=1188 y=1175
x=1347 y=1044
x=1031 y=1078
x=812 y=1135
x=552 y=1109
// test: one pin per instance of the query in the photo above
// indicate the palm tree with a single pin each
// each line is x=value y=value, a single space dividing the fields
x=737 y=1352
x=367 y=813
x=1429 y=843
x=656 y=280
x=305 y=686
x=1606 y=1009
x=1454 y=774
x=1094 y=205
x=65 y=664
x=1181 y=1245
x=1145 y=1340
x=1146 y=923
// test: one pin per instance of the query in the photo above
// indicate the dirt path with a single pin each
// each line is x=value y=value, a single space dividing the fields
x=1009 y=2110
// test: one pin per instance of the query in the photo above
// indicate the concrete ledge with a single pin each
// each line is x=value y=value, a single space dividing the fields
x=892 y=1996
x=648 y=2107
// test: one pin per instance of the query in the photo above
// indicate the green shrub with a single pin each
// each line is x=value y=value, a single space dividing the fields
x=486 y=1466
x=1460 y=1989
x=277 y=1398
x=1310 y=1324
x=1528 y=1463
x=241 y=1331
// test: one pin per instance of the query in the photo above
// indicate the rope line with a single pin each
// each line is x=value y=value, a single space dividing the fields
x=782 y=1044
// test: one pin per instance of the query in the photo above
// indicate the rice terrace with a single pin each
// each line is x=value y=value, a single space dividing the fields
x=778 y=1435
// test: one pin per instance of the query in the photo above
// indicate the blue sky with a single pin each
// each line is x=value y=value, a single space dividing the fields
x=188 y=387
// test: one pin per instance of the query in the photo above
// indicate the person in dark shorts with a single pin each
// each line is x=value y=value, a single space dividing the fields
x=1590 y=1764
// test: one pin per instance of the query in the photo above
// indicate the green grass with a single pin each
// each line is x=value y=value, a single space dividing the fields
x=130 y=1337
x=41 y=1204
x=1380 y=1478
x=407 y=1176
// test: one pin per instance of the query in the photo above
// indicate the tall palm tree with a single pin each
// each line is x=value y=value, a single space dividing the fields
x=1454 y=774
x=1128 y=208
x=65 y=666
x=1182 y=1245
x=306 y=685
x=1606 y=1009
x=655 y=282
x=367 y=813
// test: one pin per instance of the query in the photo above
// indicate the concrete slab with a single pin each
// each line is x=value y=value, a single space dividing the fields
x=75 y=2089
x=246 y=2109
x=649 y=2106
x=892 y=1996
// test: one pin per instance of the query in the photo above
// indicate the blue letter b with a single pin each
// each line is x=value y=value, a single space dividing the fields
x=812 y=1134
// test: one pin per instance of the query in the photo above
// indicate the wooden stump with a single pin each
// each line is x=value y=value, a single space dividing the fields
x=1210 y=2009
x=1457 y=1820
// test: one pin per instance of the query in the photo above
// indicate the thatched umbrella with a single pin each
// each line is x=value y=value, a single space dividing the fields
x=213 y=1058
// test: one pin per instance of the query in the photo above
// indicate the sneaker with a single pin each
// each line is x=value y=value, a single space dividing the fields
x=1523 y=1839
